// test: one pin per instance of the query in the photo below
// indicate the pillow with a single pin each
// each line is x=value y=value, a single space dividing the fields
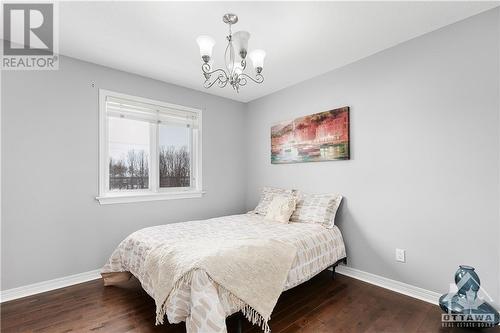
x=281 y=208
x=267 y=195
x=317 y=208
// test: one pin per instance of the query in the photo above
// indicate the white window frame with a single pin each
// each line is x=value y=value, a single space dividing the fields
x=154 y=192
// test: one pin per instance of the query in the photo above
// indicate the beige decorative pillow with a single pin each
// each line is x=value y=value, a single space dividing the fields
x=317 y=208
x=281 y=208
x=267 y=195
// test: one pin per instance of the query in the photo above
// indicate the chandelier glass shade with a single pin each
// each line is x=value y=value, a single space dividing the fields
x=235 y=59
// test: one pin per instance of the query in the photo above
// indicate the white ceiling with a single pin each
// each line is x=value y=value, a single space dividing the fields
x=302 y=39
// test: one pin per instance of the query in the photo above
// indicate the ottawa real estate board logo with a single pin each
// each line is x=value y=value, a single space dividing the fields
x=30 y=38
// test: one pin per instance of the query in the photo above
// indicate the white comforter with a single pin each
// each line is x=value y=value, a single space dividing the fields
x=202 y=304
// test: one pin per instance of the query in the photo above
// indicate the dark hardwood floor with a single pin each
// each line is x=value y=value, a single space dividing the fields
x=319 y=305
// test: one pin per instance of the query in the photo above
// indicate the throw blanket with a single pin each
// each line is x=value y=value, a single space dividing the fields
x=252 y=271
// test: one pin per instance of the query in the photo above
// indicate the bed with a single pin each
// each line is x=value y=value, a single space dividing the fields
x=200 y=302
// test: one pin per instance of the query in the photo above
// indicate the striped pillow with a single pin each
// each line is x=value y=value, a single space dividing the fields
x=267 y=195
x=317 y=208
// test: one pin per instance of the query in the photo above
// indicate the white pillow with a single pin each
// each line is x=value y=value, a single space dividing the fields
x=317 y=208
x=267 y=195
x=281 y=208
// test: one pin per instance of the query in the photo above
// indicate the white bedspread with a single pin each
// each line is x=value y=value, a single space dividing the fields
x=202 y=304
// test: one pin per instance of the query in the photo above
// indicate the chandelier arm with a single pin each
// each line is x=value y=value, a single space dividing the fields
x=221 y=78
x=259 y=78
x=222 y=72
x=222 y=82
x=208 y=84
x=206 y=70
x=242 y=81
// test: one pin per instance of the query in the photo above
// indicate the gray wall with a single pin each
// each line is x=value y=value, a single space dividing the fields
x=51 y=224
x=424 y=173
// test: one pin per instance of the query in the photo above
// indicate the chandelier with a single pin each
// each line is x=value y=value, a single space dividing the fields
x=235 y=63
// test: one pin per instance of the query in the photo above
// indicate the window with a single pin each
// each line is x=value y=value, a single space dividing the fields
x=149 y=150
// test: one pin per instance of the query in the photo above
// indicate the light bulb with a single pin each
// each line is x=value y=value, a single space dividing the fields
x=257 y=57
x=240 y=40
x=206 y=44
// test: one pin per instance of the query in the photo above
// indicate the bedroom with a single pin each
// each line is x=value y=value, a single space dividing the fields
x=125 y=127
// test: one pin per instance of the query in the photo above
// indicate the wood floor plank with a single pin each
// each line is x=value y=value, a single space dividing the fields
x=321 y=305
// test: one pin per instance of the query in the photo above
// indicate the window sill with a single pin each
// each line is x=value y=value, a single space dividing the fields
x=141 y=197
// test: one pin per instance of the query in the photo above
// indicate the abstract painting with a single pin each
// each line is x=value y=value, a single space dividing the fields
x=318 y=137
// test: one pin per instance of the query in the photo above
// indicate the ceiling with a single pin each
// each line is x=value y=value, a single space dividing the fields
x=301 y=39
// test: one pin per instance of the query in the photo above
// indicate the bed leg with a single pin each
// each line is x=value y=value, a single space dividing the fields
x=344 y=261
x=240 y=329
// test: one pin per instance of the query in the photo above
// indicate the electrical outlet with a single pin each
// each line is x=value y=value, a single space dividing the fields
x=400 y=255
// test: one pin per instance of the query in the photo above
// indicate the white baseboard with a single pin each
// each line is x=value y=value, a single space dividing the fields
x=40 y=287
x=399 y=287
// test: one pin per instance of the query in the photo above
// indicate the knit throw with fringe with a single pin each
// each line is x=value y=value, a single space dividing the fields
x=252 y=271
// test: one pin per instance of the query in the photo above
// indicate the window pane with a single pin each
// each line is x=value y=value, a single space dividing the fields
x=175 y=156
x=128 y=154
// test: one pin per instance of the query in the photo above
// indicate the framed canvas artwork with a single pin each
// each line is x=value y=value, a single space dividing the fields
x=318 y=137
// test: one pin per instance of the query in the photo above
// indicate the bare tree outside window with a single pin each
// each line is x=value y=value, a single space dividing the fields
x=131 y=170
x=130 y=173
x=174 y=167
x=128 y=154
x=174 y=156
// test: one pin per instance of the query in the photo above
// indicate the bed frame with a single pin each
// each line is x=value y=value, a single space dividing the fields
x=343 y=261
